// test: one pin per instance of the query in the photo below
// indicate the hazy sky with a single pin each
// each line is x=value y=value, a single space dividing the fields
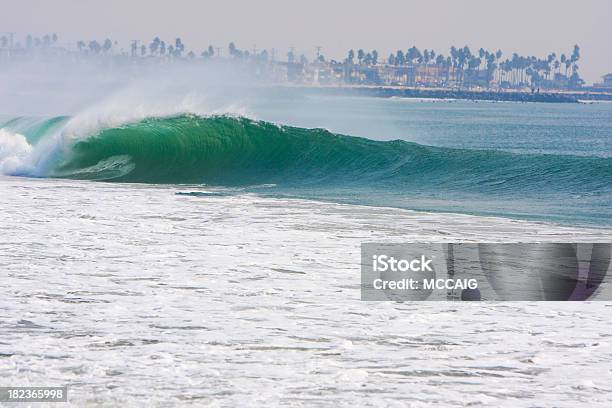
x=534 y=27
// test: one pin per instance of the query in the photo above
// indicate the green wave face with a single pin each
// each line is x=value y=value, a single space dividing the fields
x=225 y=150
x=238 y=151
x=317 y=164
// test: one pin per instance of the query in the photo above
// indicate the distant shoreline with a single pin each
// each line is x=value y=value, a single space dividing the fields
x=463 y=94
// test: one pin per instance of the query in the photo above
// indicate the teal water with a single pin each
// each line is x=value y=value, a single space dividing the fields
x=528 y=161
x=567 y=129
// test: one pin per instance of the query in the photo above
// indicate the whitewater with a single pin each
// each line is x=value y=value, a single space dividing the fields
x=165 y=294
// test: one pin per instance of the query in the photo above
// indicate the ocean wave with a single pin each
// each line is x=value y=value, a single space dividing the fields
x=221 y=150
x=224 y=150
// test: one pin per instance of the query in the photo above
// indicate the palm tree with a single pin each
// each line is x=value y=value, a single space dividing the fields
x=568 y=64
x=473 y=64
x=94 y=46
x=463 y=56
x=399 y=58
x=448 y=64
x=454 y=54
x=575 y=57
x=425 y=60
x=178 y=47
x=491 y=66
x=351 y=57
x=439 y=63
x=411 y=54
x=154 y=46
x=549 y=62
x=107 y=46
x=563 y=62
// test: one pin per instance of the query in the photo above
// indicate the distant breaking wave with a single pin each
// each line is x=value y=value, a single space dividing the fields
x=230 y=151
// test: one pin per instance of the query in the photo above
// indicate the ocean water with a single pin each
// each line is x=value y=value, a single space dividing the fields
x=200 y=260
x=546 y=128
x=544 y=162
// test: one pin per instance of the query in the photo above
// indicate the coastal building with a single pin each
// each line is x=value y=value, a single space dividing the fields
x=606 y=85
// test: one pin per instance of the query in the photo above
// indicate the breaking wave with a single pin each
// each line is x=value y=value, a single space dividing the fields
x=236 y=151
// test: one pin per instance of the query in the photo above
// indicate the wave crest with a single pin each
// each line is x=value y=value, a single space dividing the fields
x=227 y=150
x=222 y=150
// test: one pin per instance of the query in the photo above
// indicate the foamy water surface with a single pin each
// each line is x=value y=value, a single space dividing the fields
x=133 y=295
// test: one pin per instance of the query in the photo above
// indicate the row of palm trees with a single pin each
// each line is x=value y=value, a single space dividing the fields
x=44 y=41
x=156 y=48
x=481 y=68
x=461 y=66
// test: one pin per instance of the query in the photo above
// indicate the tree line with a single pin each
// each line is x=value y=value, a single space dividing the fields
x=467 y=67
x=461 y=66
